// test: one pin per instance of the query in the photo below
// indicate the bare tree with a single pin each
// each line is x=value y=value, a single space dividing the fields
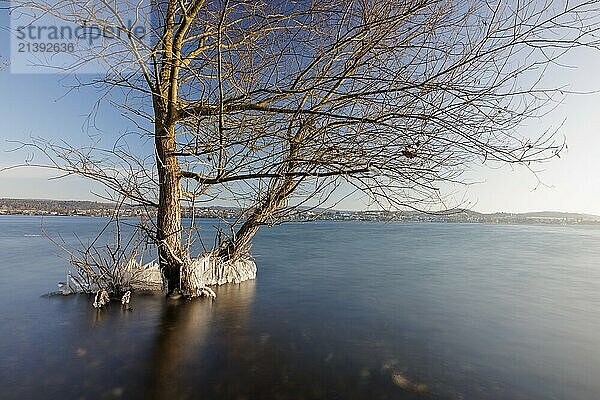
x=274 y=104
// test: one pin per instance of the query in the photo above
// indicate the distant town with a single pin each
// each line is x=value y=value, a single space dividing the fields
x=100 y=209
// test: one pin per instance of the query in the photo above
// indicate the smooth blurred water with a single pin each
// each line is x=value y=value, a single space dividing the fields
x=338 y=308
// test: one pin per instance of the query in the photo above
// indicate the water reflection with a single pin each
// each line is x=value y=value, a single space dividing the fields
x=182 y=351
x=226 y=349
x=220 y=350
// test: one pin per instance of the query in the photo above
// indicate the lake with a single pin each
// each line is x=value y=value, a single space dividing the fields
x=339 y=310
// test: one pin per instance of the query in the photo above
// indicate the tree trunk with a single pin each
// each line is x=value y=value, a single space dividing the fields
x=170 y=249
x=241 y=243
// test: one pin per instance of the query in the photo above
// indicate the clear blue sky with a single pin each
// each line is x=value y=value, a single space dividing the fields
x=35 y=105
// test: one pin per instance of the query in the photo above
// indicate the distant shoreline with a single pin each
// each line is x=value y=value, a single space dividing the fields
x=71 y=208
x=322 y=219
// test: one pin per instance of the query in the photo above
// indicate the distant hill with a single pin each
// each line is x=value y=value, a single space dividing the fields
x=558 y=214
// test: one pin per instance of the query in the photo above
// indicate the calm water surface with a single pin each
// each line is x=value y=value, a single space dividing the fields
x=346 y=310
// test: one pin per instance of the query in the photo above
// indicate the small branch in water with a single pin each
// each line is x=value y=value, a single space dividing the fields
x=101 y=299
x=125 y=300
